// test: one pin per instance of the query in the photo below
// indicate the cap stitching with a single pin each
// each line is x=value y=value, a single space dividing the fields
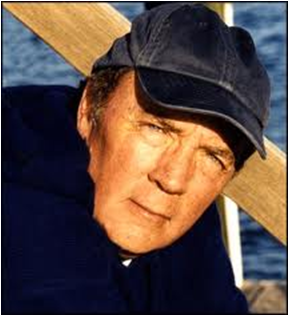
x=151 y=45
x=226 y=79
x=223 y=74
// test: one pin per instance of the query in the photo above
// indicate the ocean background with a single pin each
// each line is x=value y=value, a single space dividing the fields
x=27 y=60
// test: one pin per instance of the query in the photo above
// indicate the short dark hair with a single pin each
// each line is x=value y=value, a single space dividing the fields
x=99 y=87
x=102 y=83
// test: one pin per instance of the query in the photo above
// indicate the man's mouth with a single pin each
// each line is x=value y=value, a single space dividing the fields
x=149 y=214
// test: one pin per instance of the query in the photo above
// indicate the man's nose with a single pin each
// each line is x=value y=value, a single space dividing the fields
x=173 y=171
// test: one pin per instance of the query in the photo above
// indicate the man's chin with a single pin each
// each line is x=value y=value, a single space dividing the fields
x=133 y=250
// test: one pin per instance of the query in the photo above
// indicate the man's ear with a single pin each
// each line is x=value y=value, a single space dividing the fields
x=84 y=123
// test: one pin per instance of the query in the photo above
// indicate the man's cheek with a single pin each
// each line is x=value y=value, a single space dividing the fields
x=133 y=156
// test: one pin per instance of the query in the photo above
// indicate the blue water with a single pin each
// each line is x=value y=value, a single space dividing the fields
x=27 y=60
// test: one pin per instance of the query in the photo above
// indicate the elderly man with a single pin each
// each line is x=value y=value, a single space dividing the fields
x=108 y=202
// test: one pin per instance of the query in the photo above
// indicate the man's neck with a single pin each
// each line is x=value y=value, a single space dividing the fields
x=126 y=255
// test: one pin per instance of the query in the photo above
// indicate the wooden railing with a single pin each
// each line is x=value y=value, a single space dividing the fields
x=81 y=32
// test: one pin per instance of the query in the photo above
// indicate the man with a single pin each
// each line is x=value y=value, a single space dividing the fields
x=165 y=120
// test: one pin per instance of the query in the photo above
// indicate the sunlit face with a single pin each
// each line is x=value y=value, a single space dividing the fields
x=154 y=176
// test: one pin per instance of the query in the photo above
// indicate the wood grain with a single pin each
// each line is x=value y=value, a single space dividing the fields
x=79 y=32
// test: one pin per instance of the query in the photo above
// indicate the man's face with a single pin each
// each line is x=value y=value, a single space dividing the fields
x=154 y=176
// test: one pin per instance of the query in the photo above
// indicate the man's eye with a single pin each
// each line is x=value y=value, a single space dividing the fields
x=216 y=160
x=153 y=134
x=155 y=127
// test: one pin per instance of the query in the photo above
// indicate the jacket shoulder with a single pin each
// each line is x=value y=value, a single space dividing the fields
x=34 y=102
x=37 y=120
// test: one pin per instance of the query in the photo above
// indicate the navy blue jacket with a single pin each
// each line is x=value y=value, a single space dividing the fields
x=55 y=257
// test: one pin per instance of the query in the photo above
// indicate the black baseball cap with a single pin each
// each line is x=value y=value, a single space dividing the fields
x=186 y=58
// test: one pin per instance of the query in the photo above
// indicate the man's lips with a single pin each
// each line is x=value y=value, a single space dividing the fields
x=149 y=213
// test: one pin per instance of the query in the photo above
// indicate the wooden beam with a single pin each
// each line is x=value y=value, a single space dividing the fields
x=260 y=189
x=79 y=32
x=82 y=32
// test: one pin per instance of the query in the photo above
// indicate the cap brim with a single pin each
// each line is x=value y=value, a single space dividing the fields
x=183 y=93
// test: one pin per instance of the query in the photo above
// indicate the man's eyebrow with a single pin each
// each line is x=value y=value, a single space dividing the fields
x=168 y=126
x=165 y=123
x=156 y=114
